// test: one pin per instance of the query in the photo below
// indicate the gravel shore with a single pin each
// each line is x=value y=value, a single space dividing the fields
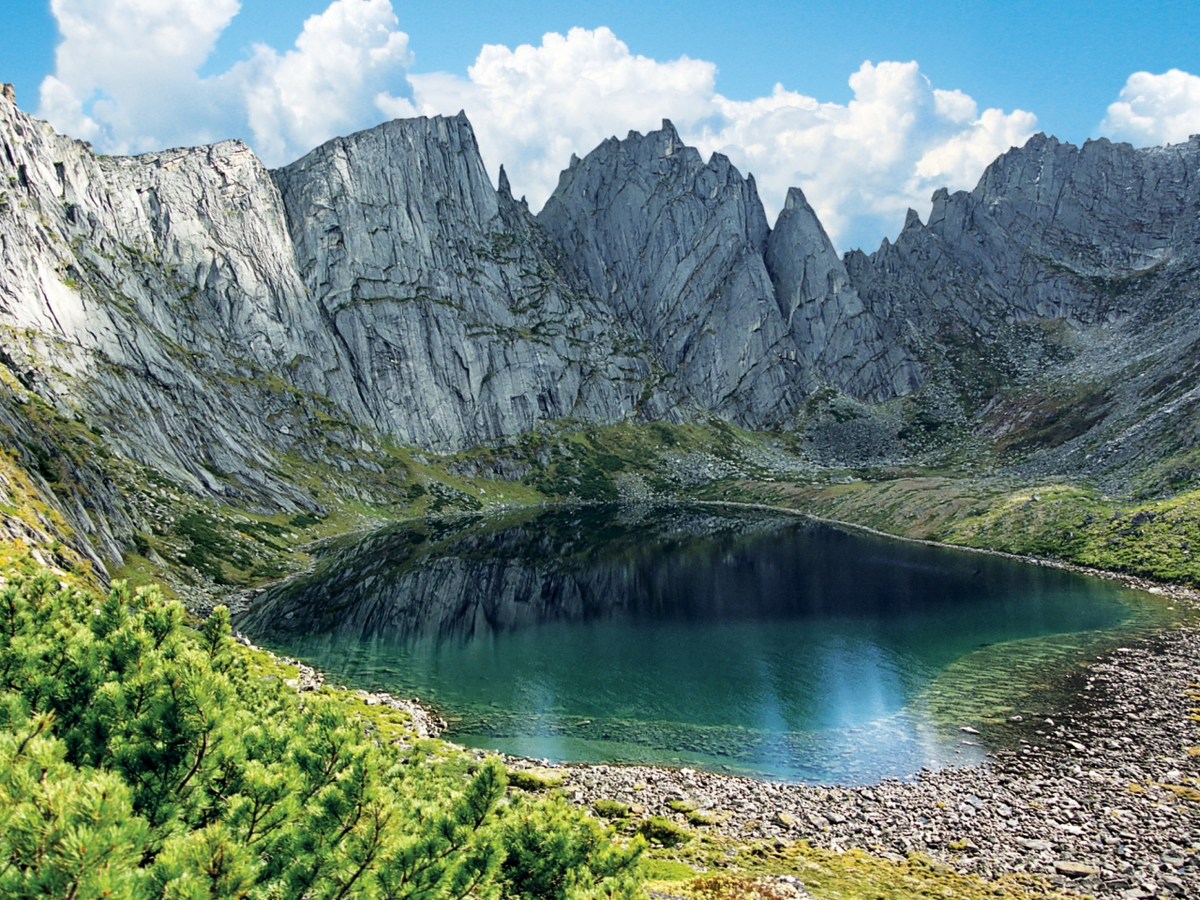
x=1101 y=794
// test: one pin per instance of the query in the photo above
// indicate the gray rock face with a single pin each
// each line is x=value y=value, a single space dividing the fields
x=1051 y=231
x=212 y=316
x=453 y=321
x=839 y=341
x=1062 y=293
x=745 y=321
x=161 y=297
x=215 y=319
x=675 y=246
x=154 y=296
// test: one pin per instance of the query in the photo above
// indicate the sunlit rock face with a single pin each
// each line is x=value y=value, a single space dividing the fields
x=839 y=341
x=749 y=321
x=216 y=319
x=448 y=303
x=1051 y=231
x=151 y=296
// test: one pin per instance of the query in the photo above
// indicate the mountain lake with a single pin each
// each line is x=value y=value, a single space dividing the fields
x=735 y=640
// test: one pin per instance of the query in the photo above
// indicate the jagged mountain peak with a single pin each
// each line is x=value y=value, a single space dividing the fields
x=795 y=199
x=211 y=315
x=458 y=320
x=674 y=246
x=666 y=139
x=749 y=321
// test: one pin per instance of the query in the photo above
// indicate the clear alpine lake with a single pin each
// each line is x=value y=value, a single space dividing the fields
x=736 y=640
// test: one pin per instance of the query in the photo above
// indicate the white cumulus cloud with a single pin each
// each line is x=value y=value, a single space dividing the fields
x=335 y=80
x=861 y=164
x=126 y=76
x=534 y=106
x=125 y=70
x=1156 y=109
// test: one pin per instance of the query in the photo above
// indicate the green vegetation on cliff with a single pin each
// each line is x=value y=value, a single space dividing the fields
x=1155 y=539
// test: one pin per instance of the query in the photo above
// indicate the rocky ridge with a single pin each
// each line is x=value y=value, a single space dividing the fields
x=453 y=320
x=239 y=331
x=149 y=297
x=1058 y=298
x=744 y=320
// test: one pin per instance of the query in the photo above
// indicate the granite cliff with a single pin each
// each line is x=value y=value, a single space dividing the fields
x=452 y=318
x=1059 y=299
x=252 y=335
x=745 y=321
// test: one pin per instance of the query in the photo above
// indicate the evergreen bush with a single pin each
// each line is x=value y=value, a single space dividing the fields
x=142 y=758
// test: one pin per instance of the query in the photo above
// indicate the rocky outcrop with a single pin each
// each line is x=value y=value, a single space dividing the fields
x=1060 y=297
x=1051 y=231
x=153 y=298
x=746 y=322
x=453 y=321
x=675 y=246
x=161 y=301
x=839 y=341
x=211 y=317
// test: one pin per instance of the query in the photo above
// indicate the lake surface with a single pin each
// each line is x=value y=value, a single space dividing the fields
x=734 y=640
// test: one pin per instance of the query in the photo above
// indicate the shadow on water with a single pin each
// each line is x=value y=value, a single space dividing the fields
x=742 y=640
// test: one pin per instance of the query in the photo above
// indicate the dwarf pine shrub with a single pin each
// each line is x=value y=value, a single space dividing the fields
x=143 y=758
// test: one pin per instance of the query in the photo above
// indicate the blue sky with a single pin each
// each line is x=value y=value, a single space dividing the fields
x=1054 y=67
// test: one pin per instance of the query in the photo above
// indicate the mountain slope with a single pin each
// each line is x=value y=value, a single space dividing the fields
x=267 y=339
x=1059 y=298
x=680 y=249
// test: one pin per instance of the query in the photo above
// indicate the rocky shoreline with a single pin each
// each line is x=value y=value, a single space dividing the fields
x=1098 y=792
x=1100 y=795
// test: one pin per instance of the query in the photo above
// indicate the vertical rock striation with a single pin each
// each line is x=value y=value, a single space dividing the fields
x=452 y=317
x=1052 y=231
x=155 y=296
x=674 y=246
x=840 y=342
x=217 y=320
x=745 y=321
x=1062 y=296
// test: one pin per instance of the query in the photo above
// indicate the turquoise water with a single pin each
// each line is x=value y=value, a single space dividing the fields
x=736 y=640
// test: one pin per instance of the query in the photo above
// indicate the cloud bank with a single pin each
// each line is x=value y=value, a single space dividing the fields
x=126 y=76
x=862 y=165
x=1156 y=109
x=127 y=79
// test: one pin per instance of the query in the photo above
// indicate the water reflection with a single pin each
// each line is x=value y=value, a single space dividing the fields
x=745 y=639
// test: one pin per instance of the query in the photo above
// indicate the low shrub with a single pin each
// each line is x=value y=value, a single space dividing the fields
x=525 y=780
x=141 y=758
x=611 y=809
x=660 y=830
